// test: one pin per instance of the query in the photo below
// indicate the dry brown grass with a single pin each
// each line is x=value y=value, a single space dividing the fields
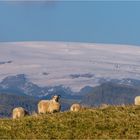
x=113 y=122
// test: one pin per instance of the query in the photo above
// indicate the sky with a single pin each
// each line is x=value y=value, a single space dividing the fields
x=115 y=22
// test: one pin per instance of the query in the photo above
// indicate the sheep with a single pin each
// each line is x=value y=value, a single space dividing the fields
x=137 y=100
x=75 y=107
x=19 y=112
x=49 y=106
x=103 y=106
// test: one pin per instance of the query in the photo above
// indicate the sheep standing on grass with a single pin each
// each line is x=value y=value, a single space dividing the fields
x=137 y=100
x=19 y=112
x=75 y=107
x=49 y=106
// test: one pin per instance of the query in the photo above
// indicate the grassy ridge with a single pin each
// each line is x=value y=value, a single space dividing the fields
x=112 y=122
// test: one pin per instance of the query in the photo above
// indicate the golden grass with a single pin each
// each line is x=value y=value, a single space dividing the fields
x=113 y=122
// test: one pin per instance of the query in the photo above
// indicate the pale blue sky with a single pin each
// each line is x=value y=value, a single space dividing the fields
x=93 y=21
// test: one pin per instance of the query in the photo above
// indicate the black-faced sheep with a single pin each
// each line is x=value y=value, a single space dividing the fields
x=19 y=112
x=49 y=106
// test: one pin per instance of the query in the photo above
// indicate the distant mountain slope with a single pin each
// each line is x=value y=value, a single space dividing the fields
x=111 y=93
x=9 y=101
x=20 y=85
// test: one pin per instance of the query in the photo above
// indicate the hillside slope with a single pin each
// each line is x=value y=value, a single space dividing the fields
x=113 y=122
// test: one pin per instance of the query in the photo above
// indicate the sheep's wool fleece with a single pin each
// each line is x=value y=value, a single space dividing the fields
x=137 y=100
x=49 y=106
x=18 y=112
x=75 y=107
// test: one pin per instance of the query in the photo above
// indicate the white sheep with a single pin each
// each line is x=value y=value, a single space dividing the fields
x=103 y=106
x=49 y=106
x=137 y=100
x=19 y=112
x=75 y=107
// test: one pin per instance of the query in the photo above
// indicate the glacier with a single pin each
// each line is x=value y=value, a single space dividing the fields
x=70 y=64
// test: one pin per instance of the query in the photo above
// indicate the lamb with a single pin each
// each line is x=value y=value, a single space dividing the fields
x=49 y=106
x=75 y=107
x=19 y=112
x=137 y=100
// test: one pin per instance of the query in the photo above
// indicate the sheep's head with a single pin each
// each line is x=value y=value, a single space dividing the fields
x=56 y=98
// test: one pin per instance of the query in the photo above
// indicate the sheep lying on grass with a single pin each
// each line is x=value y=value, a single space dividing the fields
x=75 y=107
x=137 y=100
x=104 y=106
x=19 y=112
x=49 y=106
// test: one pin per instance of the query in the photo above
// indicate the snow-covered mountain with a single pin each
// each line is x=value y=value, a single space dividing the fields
x=73 y=65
